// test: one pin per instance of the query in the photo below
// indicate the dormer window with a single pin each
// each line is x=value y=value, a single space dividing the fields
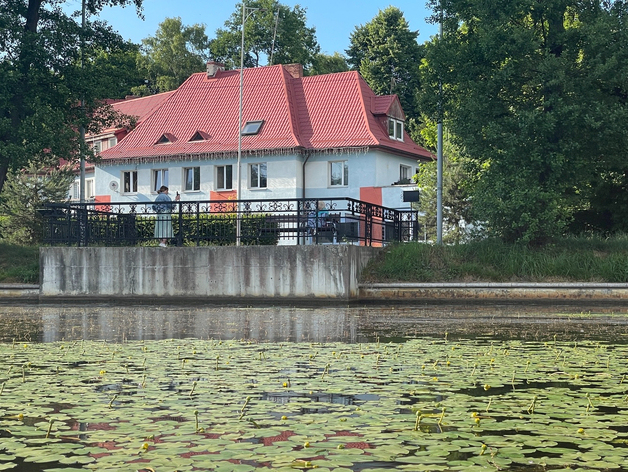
x=395 y=129
x=252 y=127
x=166 y=138
x=199 y=136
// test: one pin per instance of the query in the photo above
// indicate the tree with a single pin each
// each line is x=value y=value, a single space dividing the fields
x=387 y=55
x=172 y=55
x=535 y=92
x=326 y=64
x=293 y=41
x=43 y=82
x=24 y=194
x=120 y=74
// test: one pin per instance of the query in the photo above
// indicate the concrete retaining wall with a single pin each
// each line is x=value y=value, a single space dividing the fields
x=255 y=272
x=488 y=291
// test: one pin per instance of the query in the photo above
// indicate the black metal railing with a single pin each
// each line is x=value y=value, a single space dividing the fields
x=262 y=222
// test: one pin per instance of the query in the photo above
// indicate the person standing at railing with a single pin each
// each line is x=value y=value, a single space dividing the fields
x=163 y=223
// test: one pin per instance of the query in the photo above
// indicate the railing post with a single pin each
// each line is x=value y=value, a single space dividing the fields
x=368 y=225
x=180 y=232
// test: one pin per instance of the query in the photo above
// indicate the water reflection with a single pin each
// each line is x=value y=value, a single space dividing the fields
x=323 y=324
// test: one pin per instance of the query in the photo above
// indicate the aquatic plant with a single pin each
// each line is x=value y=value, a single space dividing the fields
x=427 y=404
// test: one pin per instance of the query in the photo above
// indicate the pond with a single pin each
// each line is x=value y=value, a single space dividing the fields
x=430 y=387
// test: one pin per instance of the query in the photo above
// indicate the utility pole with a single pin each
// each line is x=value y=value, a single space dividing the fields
x=439 y=150
x=82 y=128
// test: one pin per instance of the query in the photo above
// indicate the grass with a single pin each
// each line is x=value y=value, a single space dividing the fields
x=19 y=264
x=572 y=259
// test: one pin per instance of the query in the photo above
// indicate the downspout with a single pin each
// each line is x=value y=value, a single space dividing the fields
x=307 y=158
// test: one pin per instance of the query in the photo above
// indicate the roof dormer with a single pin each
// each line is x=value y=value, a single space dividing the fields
x=199 y=136
x=166 y=138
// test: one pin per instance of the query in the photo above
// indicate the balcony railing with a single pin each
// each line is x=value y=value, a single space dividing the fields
x=214 y=222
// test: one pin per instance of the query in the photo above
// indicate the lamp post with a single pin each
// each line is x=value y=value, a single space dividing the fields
x=82 y=128
x=439 y=150
x=246 y=13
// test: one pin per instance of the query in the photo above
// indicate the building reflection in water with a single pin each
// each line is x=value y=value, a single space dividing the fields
x=354 y=324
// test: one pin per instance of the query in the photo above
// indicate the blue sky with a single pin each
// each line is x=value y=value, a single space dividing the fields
x=334 y=20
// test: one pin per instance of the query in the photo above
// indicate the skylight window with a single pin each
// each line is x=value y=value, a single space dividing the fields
x=252 y=127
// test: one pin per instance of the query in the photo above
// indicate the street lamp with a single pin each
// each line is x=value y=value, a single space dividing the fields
x=439 y=150
x=246 y=13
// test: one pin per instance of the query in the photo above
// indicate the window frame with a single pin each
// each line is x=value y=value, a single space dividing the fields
x=133 y=182
x=196 y=179
x=408 y=170
x=261 y=173
x=221 y=183
x=252 y=128
x=395 y=129
x=90 y=188
x=111 y=142
x=97 y=146
x=156 y=182
x=344 y=179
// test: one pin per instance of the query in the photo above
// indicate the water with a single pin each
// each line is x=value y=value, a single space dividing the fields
x=353 y=324
x=467 y=395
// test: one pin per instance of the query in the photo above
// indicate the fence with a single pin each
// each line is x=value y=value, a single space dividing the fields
x=215 y=222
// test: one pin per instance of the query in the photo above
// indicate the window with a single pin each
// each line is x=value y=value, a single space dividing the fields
x=97 y=147
x=252 y=127
x=405 y=174
x=339 y=172
x=224 y=177
x=89 y=189
x=112 y=142
x=395 y=129
x=192 y=179
x=258 y=175
x=75 y=190
x=129 y=182
x=160 y=177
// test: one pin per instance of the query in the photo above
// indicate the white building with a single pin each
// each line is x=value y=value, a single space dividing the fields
x=303 y=137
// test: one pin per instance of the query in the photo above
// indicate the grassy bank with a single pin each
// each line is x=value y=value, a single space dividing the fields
x=19 y=264
x=569 y=260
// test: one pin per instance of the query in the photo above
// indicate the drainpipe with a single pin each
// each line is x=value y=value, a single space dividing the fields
x=307 y=158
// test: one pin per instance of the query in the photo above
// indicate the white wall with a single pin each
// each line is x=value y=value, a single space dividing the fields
x=372 y=169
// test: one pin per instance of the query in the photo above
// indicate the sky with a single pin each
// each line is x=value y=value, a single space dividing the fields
x=334 y=20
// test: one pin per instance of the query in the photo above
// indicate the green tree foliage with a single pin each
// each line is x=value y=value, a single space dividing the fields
x=171 y=56
x=387 y=55
x=293 y=41
x=43 y=81
x=118 y=70
x=328 y=64
x=26 y=192
x=536 y=94
x=457 y=218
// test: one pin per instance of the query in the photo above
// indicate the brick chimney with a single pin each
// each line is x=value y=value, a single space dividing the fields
x=213 y=68
x=295 y=70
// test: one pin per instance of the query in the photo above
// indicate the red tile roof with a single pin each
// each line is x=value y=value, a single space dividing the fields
x=317 y=113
